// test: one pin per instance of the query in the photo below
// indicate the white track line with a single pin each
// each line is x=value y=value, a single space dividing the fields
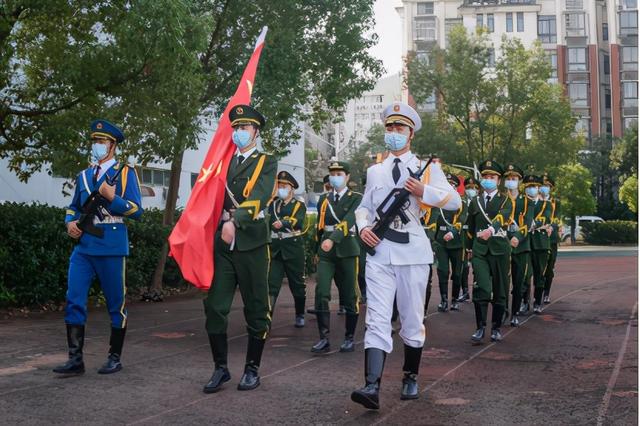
x=616 y=370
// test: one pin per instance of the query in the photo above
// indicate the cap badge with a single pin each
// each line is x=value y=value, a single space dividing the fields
x=99 y=126
x=240 y=111
x=396 y=108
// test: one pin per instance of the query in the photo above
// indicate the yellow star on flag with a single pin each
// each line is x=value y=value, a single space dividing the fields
x=205 y=173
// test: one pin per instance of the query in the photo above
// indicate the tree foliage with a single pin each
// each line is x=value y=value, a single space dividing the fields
x=629 y=193
x=574 y=189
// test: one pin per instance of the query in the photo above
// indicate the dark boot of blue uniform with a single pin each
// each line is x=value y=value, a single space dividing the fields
x=250 y=379
x=351 y=321
x=75 y=341
x=412 y=357
x=221 y=375
x=497 y=318
x=323 y=329
x=113 y=364
x=481 y=321
x=374 y=364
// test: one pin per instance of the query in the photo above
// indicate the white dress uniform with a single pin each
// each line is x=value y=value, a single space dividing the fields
x=400 y=270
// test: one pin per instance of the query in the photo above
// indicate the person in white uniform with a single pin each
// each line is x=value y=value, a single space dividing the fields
x=399 y=268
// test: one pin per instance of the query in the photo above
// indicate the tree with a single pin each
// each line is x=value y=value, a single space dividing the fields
x=508 y=112
x=574 y=189
x=365 y=155
x=624 y=158
x=629 y=193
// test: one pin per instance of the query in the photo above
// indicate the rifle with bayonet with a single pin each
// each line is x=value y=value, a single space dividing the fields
x=95 y=206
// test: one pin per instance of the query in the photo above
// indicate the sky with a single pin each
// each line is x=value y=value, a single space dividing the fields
x=388 y=28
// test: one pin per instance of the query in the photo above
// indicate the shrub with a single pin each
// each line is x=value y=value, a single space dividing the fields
x=611 y=232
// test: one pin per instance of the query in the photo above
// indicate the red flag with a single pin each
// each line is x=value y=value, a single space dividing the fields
x=191 y=241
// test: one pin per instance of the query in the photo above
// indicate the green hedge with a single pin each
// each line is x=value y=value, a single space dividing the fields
x=35 y=250
x=610 y=232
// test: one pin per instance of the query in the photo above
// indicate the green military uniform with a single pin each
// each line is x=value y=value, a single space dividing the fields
x=490 y=257
x=287 y=248
x=429 y=223
x=245 y=262
x=450 y=254
x=520 y=255
x=470 y=183
x=336 y=222
x=540 y=246
x=554 y=240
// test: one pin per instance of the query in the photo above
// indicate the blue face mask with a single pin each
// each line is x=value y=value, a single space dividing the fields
x=395 y=141
x=241 y=138
x=283 y=193
x=544 y=190
x=511 y=184
x=532 y=191
x=489 y=184
x=99 y=151
x=471 y=192
x=337 y=182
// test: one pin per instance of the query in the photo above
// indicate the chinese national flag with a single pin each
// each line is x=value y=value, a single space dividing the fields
x=191 y=241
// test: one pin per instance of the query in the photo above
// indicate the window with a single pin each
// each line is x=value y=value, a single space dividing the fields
x=194 y=177
x=423 y=57
x=491 y=61
x=490 y=23
x=425 y=8
x=582 y=126
x=606 y=64
x=575 y=24
x=509 y=22
x=574 y=4
x=448 y=25
x=547 y=29
x=577 y=59
x=605 y=31
x=630 y=93
x=553 y=59
x=520 y=23
x=630 y=4
x=479 y=20
x=607 y=99
x=630 y=121
x=630 y=58
x=578 y=94
x=156 y=177
x=628 y=21
x=425 y=29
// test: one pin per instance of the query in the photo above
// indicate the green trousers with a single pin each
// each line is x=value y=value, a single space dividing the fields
x=539 y=260
x=491 y=276
x=345 y=273
x=249 y=271
x=294 y=271
x=551 y=266
x=449 y=260
x=519 y=270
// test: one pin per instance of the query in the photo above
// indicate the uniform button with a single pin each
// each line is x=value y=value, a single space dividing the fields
x=115 y=227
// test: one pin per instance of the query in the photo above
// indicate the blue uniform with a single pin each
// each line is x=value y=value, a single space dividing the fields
x=102 y=257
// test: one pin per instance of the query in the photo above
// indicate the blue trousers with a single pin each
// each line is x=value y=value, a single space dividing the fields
x=110 y=270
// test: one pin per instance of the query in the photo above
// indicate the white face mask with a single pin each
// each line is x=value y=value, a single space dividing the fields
x=471 y=192
x=283 y=193
x=511 y=183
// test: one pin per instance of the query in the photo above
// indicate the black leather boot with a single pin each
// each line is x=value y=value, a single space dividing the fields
x=323 y=329
x=350 y=323
x=113 y=364
x=221 y=375
x=411 y=367
x=481 y=321
x=537 y=303
x=496 y=322
x=444 y=305
x=374 y=364
x=299 y=305
x=250 y=379
x=75 y=341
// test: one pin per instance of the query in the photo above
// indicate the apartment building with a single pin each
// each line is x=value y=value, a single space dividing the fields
x=592 y=46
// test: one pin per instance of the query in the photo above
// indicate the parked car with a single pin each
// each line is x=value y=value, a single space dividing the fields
x=566 y=228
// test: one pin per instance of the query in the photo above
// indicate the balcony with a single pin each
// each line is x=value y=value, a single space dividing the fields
x=475 y=3
x=425 y=29
x=628 y=20
x=575 y=5
x=576 y=24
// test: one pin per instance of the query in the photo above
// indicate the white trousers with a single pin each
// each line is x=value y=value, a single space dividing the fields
x=406 y=283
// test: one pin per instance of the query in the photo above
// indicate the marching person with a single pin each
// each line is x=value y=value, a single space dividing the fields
x=102 y=256
x=450 y=251
x=518 y=234
x=547 y=185
x=242 y=251
x=338 y=252
x=540 y=231
x=429 y=222
x=286 y=216
x=471 y=187
x=489 y=216
x=400 y=264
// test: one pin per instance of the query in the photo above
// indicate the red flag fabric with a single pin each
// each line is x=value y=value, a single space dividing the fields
x=191 y=241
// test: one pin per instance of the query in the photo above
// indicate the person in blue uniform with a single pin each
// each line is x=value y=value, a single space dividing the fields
x=102 y=257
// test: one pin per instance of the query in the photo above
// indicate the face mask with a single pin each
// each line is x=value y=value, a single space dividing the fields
x=99 y=151
x=241 y=138
x=511 y=184
x=488 y=184
x=471 y=192
x=337 y=182
x=544 y=190
x=395 y=141
x=283 y=193
x=531 y=191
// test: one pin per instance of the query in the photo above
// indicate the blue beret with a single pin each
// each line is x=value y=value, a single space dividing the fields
x=102 y=128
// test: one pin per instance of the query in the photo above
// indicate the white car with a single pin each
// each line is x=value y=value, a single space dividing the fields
x=566 y=229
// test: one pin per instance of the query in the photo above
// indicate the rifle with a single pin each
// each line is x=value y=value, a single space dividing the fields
x=96 y=206
x=392 y=206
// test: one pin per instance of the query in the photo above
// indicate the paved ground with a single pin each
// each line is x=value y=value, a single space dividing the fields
x=577 y=363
